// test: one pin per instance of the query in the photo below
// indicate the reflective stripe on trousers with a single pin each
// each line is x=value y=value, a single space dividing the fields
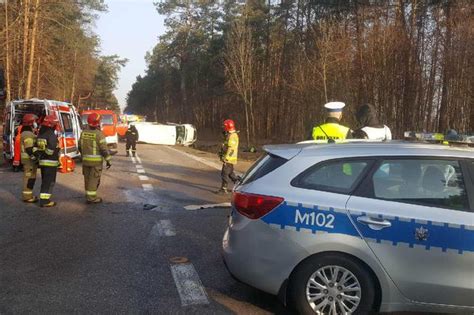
x=92 y=158
x=51 y=163
x=45 y=196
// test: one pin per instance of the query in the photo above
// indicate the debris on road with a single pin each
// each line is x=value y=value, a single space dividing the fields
x=147 y=207
x=209 y=206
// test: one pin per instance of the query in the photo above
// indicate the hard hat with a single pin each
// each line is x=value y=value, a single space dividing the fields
x=29 y=119
x=50 y=121
x=229 y=125
x=334 y=106
x=93 y=120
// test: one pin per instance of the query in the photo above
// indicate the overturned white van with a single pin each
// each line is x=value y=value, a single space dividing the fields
x=167 y=134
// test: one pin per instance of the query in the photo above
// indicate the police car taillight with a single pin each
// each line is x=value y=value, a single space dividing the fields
x=254 y=206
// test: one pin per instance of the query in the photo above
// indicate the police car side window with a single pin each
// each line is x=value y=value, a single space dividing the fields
x=339 y=176
x=436 y=183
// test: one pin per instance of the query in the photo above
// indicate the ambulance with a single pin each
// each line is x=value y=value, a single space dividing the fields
x=69 y=124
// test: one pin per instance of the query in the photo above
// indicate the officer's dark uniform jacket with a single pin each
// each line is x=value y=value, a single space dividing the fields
x=48 y=148
x=48 y=153
x=331 y=129
x=132 y=134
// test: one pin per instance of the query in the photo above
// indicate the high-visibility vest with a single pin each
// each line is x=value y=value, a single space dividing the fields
x=231 y=146
x=330 y=131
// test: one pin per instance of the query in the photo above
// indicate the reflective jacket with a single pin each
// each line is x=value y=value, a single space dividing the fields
x=93 y=148
x=28 y=145
x=230 y=148
x=331 y=129
x=48 y=148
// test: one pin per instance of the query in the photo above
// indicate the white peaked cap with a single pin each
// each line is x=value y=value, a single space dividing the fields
x=334 y=106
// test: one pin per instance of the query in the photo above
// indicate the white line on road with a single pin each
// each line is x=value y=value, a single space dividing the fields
x=147 y=187
x=190 y=289
x=200 y=207
x=143 y=177
x=138 y=159
x=163 y=228
x=133 y=160
x=141 y=171
x=203 y=161
x=139 y=166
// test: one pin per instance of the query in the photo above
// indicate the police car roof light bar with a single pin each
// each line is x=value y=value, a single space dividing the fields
x=451 y=138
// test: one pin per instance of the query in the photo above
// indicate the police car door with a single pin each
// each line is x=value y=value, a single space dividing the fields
x=416 y=216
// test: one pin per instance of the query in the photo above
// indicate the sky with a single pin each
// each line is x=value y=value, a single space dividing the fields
x=129 y=29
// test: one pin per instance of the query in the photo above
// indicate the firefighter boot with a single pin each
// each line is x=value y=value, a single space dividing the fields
x=94 y=201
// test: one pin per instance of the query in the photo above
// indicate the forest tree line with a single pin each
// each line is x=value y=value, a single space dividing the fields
x=48 y=50
x=271 y=65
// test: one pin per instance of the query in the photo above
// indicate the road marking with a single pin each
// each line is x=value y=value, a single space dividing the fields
x=147 y=187
x=163 y=228
x=133 y=160
x=200 y=207
x=140 y=169
x=143 y=177
x=138 y=159
x=190 y=289
x=203 y=161
x=217 y=166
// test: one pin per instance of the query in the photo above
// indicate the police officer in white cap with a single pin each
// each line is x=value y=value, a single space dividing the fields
x=332 y=128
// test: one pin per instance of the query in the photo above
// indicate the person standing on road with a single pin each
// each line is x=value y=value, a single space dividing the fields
x=228 y=155
x=93 y=148
x=332 y=128
x=48 y=154
x=28 y=159
x=371 y=127
x=132 y=137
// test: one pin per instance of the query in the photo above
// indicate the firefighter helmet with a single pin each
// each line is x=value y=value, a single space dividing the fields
x=50 y=121
x=229 y=125
x=93 y=120
x=29 y=119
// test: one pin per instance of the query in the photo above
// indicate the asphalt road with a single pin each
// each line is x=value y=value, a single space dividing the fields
x=121 y=256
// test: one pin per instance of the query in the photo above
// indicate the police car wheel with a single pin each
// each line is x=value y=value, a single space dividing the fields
x=332 y=284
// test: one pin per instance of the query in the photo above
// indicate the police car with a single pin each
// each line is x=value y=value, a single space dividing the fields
x=357 y=227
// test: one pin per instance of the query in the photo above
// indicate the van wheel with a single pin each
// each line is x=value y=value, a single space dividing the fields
x=332 y=284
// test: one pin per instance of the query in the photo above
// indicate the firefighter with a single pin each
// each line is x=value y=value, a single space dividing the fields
x=332 y=129
x=28 y=158
x=48 y=155
x=93 y=148
x=228 y=155
x=132 y=137
x=371 y=128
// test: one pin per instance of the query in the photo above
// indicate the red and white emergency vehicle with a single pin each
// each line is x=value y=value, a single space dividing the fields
x=69 y=123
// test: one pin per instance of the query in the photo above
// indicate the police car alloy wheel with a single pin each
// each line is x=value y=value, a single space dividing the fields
x=332 y=284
